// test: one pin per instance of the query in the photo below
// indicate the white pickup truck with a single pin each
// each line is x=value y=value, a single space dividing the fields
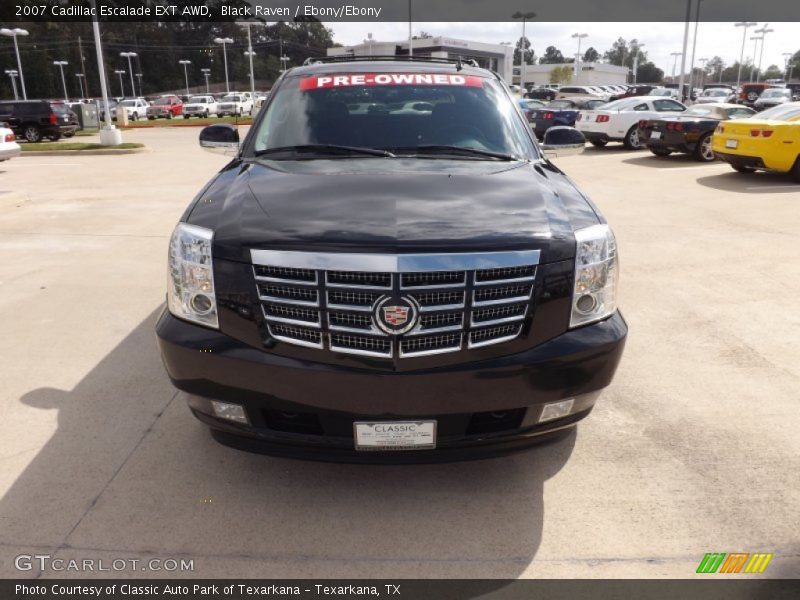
x=235 y=104
x=200 y=106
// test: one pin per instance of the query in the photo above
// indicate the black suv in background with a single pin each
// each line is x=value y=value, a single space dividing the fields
x=35 y=120
x=391 y=268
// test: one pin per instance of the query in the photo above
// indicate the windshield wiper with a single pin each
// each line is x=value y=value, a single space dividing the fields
x=325 y=149
x=444 y=149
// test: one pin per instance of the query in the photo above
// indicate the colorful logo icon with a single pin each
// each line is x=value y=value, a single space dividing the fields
x=734 y=562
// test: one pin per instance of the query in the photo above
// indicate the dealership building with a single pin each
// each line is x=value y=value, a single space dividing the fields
x=497 y=57
x=589 y=73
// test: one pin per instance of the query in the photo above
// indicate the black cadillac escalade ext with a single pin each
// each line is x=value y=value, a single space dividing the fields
x=390 y=269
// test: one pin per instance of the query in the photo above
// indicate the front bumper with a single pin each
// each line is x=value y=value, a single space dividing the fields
x=463 y=398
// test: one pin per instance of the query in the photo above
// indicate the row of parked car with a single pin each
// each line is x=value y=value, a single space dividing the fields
x=170 y=106
x=748 y=140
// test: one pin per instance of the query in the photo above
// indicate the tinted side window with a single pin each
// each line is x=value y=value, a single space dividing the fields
x=640 y=107
x=667 y=105
x=6 y=108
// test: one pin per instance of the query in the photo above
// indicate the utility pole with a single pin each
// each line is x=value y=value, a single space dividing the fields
x=763 y=31
x=745 y=25
x=694 y=47
x=525 y=17
x=206 y=74
x=685 y=46
x=83 y=67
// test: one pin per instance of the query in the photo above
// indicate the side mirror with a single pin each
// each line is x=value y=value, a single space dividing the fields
x=220 y=139
x=563 y=141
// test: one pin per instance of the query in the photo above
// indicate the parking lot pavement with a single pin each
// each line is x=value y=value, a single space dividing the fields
x=693 y=449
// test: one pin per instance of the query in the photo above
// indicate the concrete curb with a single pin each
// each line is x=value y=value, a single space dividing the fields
x=108 y=152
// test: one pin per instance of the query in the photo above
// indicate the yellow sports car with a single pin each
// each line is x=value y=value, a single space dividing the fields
x=768 y=141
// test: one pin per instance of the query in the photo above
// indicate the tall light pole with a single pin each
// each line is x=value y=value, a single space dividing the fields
x=636 y=61
x=694 y=47
x=250 y=54
x=284 y=60
x=129 y=56
x=410 y=37
x=744 y=25
x=524 y=17
x=763 y=31
x=13 y=74
x=139 y=77
x=206 y=73
x=674 y=56
x=120 y=72
x=109 y=135
x=185 y=64
x=225 y=42
x=80 y=77
x=13 y=33
x=786 y=57
x=61 y=64
x=685 y=46
x=755 y=39
x=579 y=37
x=702 y=71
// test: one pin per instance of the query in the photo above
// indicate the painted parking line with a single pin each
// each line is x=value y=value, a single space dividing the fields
x=774 y=187
x=29 y=164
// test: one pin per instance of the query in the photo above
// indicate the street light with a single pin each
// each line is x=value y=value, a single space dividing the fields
x=185 y=64
x=139 y=77
x=786 y=57
x=580 y=37
x=206 y=74
x=755 y=39
x=675 y=55
x=120 y=72
x=284 y=60
x=13 y=74
x=763 y=31
x=702 y=71
x=745 y=25
x=225 y=42
x=250 y=54
x=129 y=56
x=524 y=17
x=694 y=47
x=60 y=64
x=13 y=33
x=636 y=61
x=80 y=77
x=109 y=135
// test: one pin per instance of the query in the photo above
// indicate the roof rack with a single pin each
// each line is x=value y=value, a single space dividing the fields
x=314 y=60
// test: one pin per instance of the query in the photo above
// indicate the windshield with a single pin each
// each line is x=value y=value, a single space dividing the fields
x=232 y=98
x=621 y=104
x=715 y=93
x=781 y=113
x=161 y=102
x=560 y=104
x=197 y=100
x=128 y=103
x=60 y=109
x=698 y=111
x=662 y=92
x=397 y=112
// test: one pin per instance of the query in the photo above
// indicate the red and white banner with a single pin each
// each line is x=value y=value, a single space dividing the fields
x=388 y=79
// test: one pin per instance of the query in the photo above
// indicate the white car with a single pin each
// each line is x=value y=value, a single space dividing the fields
x=716 y=95
x=665 y=92
x=235 y=104
x=569 y=91
x=136 y=108
x=618 y=121
x=9 y=148
x=200 y=106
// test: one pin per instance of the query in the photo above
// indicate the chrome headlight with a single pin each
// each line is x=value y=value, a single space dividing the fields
x=190 y=282
x=596 y=273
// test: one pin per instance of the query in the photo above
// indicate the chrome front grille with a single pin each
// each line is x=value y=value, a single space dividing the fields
x=326 y=301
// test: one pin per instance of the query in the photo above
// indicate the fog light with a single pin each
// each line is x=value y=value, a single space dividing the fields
x=230 y=412
x=556 y=410
x=202 y=304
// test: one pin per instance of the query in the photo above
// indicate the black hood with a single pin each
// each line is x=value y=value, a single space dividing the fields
x=392 y=205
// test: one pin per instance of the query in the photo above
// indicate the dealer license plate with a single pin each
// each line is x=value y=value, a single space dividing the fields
x=731 y=143
x=395 y=435
x=655 y=135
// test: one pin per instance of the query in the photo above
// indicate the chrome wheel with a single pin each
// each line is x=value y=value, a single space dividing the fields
x=706 y=151
x=32 y=134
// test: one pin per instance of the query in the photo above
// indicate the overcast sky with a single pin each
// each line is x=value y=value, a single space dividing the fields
x=660 y=39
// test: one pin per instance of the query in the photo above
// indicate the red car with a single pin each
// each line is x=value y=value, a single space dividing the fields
x=165 y=107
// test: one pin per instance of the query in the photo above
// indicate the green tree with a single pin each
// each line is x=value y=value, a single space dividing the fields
x=647 y=72
x=714 y=68
x=773 y=72
x=552 y=56
x=591 y=55
x=562 y=74
x=530 y=55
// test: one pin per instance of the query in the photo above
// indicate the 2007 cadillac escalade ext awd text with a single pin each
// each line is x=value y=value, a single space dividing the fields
x=390 y=269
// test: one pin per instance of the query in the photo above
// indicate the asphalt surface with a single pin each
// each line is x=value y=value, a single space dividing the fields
x=693 y=449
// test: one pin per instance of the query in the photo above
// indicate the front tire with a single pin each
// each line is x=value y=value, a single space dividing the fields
x=795 y=172
x=598 y=143
x=632 y=141
x=32 y=134
x=704 y=151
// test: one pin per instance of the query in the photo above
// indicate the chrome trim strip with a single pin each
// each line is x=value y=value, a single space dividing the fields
x=311 y=324
x=499 y=340
x=351 y=307
x=434 y=307
x=394 y=263
x=431 y=352
x=501 y=301
x=424 y=331
x=297 y=342
x=355 y=285
x=504 y=281
x=278 y=300
x=474 y=323
x=414 y=288
x=287 y=281
x=358 y=352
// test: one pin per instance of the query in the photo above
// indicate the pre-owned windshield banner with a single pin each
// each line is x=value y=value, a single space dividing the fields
x=388 y=79
x=400 y=10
